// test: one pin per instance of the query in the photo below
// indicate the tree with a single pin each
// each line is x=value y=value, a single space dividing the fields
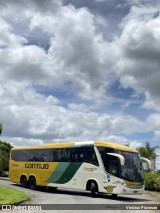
x=1 y=128
x=4 y=161
x=5 y=149
x=148 y=152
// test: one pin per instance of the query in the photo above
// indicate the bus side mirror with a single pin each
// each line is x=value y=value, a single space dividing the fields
x=148 y=162
x=121 y=158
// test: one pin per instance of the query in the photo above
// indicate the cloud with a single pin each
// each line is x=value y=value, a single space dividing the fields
x=8 y=38
x=157 y=134
x=151 y=102
x=139 y=51
x=76 y=53
x=22 y=63
x=153 y=122
x=36 y=116
x=40 y=5
x=18 y=141
x=56 y=46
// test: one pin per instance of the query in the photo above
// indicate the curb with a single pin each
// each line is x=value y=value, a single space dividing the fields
x=4 y=178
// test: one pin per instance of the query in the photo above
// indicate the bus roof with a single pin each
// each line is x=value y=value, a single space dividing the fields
x=115 y=146
x=80 y=144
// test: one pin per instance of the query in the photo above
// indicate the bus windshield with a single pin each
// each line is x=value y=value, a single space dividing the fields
x=132 y=169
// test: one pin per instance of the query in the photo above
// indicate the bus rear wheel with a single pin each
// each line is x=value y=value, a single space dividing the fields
x=23 y=181
x=32 y=183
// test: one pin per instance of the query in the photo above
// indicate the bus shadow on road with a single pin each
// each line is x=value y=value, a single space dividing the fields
x=102 y=196
x=87 y=194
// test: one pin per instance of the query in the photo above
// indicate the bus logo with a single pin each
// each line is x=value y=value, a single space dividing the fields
x=109 y=188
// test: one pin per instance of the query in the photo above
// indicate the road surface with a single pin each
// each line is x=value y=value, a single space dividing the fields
x=83 y=200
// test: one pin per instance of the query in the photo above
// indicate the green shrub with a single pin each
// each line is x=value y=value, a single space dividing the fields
x=152 y=181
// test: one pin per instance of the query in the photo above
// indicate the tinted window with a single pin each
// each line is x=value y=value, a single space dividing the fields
x=36 y=155
x=112 y=165
x=79 y=154
x=39 y=155
x=110 y=162
x=91 y=156
x=60 y=155
x=19 y=155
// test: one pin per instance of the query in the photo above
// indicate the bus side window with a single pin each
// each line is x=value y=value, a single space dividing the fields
x=63 y=157
x=38 y=155
x=112 y=166
x=82 y=154
x=59 y=155
x=69 y=155
x=75 y=156
x=44 y=155
x=54 y=155
x=20 y=155
x=34 y=155
x=91 y=156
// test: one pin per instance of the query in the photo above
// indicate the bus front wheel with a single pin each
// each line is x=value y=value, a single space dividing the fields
x=114 y=195
x=23 y=181
x=93 y=189
x=32 y=183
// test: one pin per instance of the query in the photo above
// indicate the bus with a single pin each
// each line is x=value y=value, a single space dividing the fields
x=95 y=166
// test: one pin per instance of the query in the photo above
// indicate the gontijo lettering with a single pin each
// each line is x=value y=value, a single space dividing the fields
x=36 y=166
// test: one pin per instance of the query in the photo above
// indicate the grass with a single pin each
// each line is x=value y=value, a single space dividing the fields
x=12 y=196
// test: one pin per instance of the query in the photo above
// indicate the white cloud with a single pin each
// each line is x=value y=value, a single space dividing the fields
x=8 y=38
x=75 y=54
x=139 y=52
x=151 y=102
x=153 y=122
x=157 y=134
x=32 y=115
x=18 y=141
x=135 y=144
x=22 y=63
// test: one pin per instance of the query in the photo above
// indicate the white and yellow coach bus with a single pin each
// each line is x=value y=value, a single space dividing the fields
x=98 y=167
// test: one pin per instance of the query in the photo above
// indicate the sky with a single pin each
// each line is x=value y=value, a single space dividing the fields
x=80 y=70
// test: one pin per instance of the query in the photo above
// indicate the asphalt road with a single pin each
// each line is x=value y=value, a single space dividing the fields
x=82 y=199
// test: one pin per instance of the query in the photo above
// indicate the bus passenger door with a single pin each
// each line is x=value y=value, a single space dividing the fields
x=93 y=169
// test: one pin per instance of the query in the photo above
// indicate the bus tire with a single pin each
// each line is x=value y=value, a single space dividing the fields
x=114 y=195
x=32 y=183
x=93 y=189
x=23 y=181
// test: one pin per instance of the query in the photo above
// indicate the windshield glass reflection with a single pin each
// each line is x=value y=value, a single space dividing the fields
x=133 y=168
